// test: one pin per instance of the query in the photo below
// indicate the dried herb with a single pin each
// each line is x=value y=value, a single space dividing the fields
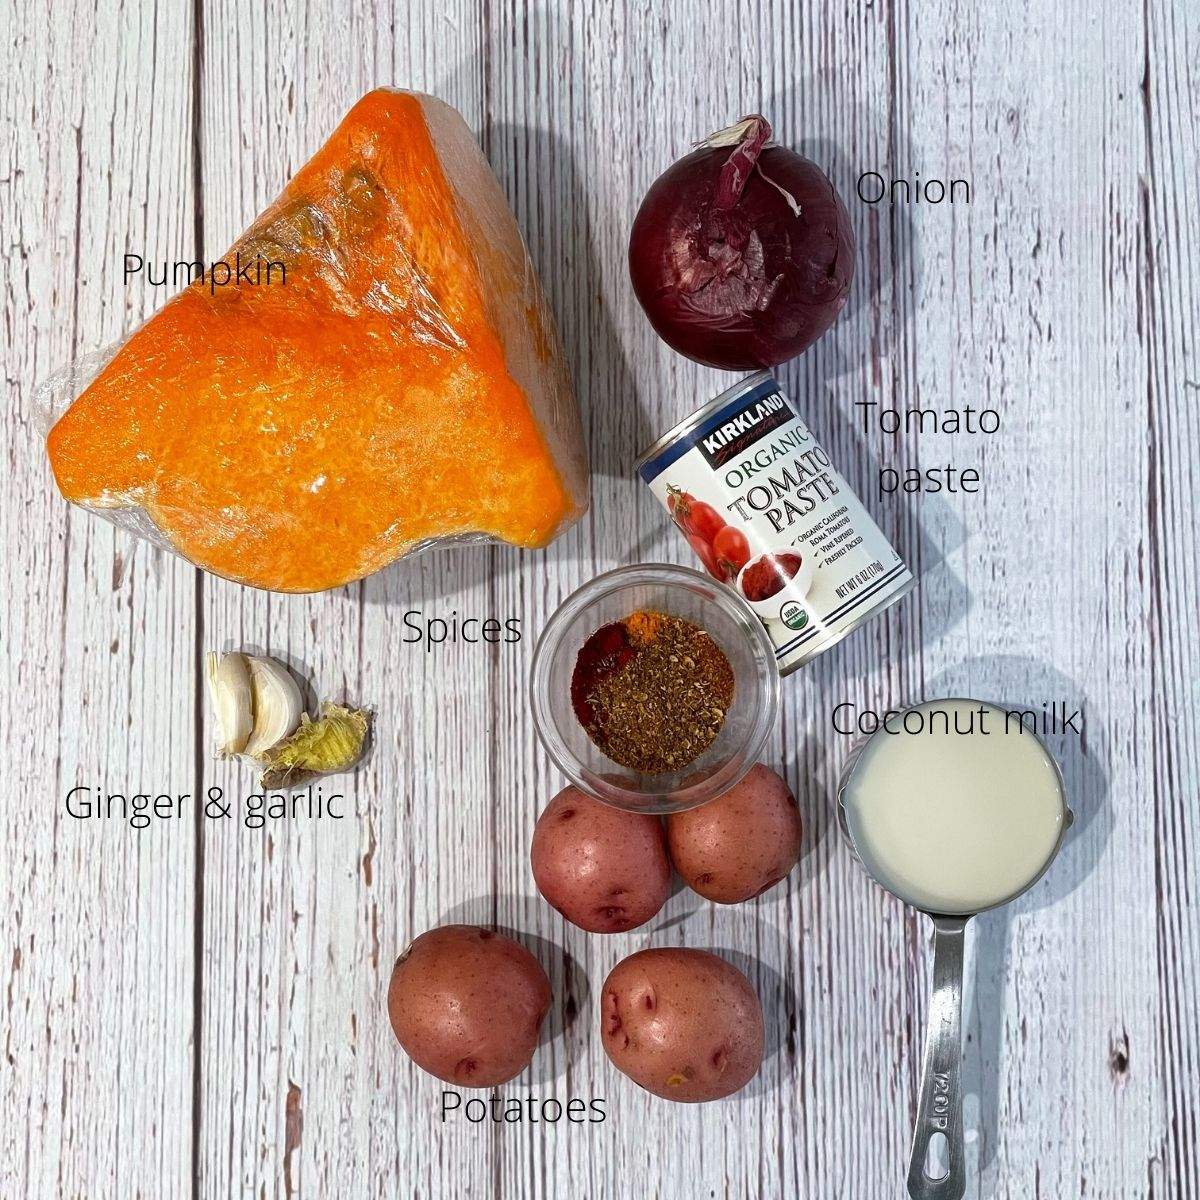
x=652 y=691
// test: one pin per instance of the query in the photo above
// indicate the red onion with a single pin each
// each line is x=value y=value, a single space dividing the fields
x=741 y=253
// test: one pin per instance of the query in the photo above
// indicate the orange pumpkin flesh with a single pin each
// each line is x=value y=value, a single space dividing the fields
x=297 y=436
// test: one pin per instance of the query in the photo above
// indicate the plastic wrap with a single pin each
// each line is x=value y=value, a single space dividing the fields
x=395 y=382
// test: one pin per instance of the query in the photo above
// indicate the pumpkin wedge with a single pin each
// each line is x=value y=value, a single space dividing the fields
x=402 y=383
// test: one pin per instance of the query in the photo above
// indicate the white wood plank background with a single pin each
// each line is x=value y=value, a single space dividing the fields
x=198 y=1010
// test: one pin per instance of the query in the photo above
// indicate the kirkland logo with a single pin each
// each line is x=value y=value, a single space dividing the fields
x=755 y=421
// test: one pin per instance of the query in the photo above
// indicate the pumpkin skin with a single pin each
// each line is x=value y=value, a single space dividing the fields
x=399 y=382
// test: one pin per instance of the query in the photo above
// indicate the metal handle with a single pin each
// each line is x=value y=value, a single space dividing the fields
x=940 y=1110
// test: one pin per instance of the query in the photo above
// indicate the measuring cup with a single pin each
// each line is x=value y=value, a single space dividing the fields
x=939 y=1113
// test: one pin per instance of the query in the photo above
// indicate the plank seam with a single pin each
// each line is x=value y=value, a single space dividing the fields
x=198 y=657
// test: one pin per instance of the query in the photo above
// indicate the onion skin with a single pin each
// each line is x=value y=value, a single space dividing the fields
x=728 y=272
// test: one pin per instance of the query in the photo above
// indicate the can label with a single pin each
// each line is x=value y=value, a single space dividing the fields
x=768 y=514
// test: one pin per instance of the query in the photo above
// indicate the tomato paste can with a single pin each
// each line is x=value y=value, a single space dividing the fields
x=769 y=515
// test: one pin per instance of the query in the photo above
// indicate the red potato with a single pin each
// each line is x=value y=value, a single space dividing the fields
x=740 y=844
x=467 y=1005
x=683 y=1024
x=604 y=869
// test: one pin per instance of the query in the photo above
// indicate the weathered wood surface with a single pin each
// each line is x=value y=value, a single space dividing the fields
x=97 y=631
x=198 y=1010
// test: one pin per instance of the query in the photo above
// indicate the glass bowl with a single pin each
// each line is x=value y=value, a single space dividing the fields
x=680 y=592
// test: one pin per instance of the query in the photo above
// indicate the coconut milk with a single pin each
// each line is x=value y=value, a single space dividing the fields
x=954 y=807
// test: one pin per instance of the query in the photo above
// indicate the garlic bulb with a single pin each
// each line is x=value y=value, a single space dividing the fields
x=277 y=705
x=229 y=691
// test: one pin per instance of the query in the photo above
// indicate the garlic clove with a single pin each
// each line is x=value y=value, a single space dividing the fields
x=229 y=691
x=277 y=704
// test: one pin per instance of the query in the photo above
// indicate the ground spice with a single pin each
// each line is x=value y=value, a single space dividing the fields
x=652 y=691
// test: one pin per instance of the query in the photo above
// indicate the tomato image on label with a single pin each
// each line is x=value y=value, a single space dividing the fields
x=705 y=553
x=703 y=527
x=706 y=521
x=732 y=550
x=694 y=516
